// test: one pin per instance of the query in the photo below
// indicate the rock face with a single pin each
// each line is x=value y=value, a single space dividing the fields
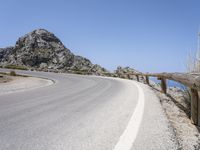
x=42 y=50
x=125 y=70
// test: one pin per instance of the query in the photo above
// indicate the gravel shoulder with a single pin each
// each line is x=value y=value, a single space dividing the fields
x=21 y=84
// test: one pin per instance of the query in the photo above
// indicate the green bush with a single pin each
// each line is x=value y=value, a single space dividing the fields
x=16 y=67
x=12 y=73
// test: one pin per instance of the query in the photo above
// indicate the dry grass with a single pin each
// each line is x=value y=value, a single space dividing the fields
x=16 y=67
x=193 y=62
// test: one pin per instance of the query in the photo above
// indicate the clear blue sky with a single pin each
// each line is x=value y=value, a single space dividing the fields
x=148 y=35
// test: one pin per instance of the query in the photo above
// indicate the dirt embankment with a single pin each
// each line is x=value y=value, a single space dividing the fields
x=176 y=105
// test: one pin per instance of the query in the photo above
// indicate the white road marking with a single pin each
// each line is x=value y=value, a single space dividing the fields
x=128 y=137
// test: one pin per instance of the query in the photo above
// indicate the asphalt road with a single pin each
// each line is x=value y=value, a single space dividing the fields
x=84 y=113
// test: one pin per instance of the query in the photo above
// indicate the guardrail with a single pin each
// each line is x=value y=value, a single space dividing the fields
x=191 y=80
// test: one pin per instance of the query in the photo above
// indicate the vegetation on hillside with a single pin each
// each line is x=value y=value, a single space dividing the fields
x=16 y=67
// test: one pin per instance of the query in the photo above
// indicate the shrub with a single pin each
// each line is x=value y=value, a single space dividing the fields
x=12 y=73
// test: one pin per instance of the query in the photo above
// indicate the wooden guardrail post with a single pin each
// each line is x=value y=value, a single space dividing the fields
x=195 y=107
x=138 y=79
x=163 y=85
x=147 y=79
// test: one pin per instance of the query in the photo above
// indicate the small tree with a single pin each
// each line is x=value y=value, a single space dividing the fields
x=193 y=62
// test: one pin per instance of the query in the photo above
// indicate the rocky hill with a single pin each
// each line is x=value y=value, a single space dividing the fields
x=42 y=50
x=123 y=72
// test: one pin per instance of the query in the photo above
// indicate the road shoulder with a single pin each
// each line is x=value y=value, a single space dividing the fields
x=21 y=84
x=155 y=131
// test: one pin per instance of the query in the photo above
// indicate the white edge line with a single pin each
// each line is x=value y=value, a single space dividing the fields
x=129 y=136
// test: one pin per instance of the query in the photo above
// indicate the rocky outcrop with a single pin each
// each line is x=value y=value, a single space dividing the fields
x=5 y=53
x=42 y=50
x=125 y=72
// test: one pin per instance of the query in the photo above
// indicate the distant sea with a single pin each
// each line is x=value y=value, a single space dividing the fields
x=170 y=83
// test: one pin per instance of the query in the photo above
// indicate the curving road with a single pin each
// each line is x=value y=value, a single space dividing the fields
x=84 y=113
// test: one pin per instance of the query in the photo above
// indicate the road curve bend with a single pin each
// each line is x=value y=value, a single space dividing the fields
x=84 y=113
